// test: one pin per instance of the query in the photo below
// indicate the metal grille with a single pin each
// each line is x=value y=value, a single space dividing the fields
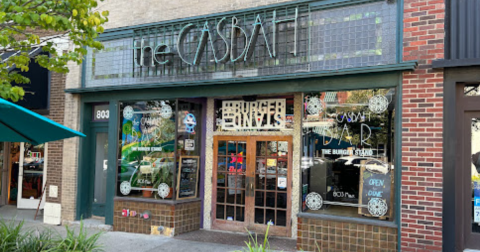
x=330 y=39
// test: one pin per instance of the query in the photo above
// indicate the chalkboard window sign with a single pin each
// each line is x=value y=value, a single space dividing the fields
x=376 y=185
x=187 y=181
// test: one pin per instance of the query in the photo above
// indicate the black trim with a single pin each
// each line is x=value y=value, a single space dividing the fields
x=455 y=63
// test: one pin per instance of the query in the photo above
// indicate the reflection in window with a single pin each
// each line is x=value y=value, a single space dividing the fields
x=475 y=169
x=147 y=137
x=154 y=135
x=472 y=90
x=348 y=153
x=33 y=168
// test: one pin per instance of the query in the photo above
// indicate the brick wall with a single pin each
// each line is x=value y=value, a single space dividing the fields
x=175 y=219
x=71 y=145
x=422 y=110
x=326 y=235
x=55 y=149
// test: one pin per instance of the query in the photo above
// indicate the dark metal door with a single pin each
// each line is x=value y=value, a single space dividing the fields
x=467 y=167
x=99 y=166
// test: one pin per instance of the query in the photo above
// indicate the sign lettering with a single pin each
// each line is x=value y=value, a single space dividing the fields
x=260 y=114
x=150 y=54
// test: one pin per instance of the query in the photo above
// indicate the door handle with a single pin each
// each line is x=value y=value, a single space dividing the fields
x=251 y=187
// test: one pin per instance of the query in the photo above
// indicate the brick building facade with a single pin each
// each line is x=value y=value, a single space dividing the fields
x=422 y=123
x=55 y=149
x=44 y=95
x=418 y=202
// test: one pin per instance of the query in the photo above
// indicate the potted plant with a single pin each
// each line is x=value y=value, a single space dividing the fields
x=164 y=175
x=147 y=172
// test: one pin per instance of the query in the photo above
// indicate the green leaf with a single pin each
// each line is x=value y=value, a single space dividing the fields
x=18 y=8
x=19 y=19
x=78 y=17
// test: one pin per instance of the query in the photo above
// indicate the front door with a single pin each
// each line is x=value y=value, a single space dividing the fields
x=32 y=176
x=471 y=157
x=252 y=184
x=99 y=154
x=3 y=173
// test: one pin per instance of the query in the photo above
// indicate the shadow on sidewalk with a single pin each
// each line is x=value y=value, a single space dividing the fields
x=234 y=239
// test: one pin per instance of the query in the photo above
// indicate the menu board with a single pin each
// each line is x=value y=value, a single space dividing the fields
x=187 y=184
x=375 y=185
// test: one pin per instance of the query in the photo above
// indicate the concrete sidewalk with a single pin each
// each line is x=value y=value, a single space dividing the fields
x=118 y=241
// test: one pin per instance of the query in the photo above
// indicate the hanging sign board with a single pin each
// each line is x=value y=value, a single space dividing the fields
x=187 y=183
x=376 y=182
x=259 y=114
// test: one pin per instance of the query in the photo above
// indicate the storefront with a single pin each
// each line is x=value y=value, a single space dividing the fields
x=23 y=167
x=24 y=174
x=284 y=116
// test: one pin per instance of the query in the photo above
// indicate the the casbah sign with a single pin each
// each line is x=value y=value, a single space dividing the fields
x=227 y=40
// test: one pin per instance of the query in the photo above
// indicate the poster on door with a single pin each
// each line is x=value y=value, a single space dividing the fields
x=476 y=210
x=282 y=182
x=231 y=183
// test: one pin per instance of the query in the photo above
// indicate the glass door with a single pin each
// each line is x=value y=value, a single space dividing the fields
x=3 y=174
x=472 y=158
x=32 y=175
x=100 y=157
x=272 y=184
x=230 y=179
x=252 y=178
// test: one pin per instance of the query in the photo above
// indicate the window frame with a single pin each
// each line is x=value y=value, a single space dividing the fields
x=175 y=111
x=394 y=222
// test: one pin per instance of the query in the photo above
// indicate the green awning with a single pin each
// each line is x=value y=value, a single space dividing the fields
x=18 y=124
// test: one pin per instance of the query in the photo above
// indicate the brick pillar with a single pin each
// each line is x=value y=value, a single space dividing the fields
x=55 y=149
x=421 y=215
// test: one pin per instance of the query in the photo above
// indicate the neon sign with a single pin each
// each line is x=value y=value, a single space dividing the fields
x=148 y=54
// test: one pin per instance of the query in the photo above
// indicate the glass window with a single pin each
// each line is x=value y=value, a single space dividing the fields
x=147 y=135
x=472 y=90
x=33 y=168
x=347 y=162
x=475 y=168
x=189 y=132
x=352 y=36
x=154 y=137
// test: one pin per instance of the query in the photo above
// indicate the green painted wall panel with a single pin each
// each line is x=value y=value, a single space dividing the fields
x=363 y=81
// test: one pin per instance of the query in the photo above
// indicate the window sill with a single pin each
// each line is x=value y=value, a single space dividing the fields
x=389 y=224
x=155 y=201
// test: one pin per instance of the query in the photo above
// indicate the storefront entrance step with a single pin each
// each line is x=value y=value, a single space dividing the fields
x=237 y=239
x=471 y=250
x=92 y=223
